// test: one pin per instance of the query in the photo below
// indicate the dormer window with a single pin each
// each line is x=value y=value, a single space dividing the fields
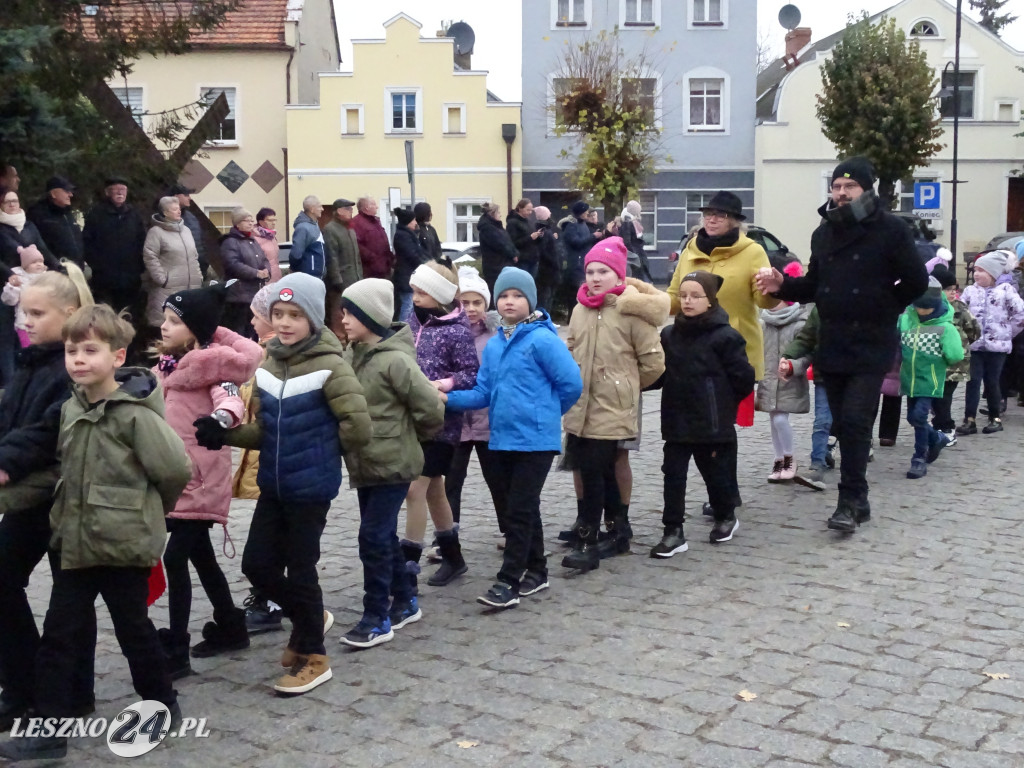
x=924 y=28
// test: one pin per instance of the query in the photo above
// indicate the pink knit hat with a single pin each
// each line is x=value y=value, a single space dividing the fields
x=611 y=252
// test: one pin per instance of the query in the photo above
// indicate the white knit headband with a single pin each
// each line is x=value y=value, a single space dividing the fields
x=434 y=284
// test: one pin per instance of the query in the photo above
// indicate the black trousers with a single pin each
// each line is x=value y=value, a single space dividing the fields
x=521 y=476
x=889 y=418
x=24 y=537
x=716 y=463
x=595 y=461
x=286 y=537
x=70 y=619
x=456 y=478
x=189 y=541
x=943 y=407
x=853 y=400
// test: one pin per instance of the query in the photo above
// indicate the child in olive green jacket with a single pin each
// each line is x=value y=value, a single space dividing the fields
x=404 y=410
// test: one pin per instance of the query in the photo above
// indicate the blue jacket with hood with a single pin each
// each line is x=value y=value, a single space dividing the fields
x=528 y=381
x=307 y=253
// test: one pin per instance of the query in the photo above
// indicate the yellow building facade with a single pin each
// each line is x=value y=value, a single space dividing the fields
x=406 y=88
x=264 y=56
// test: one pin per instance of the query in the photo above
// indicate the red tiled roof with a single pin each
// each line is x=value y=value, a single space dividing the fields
x=257 y=22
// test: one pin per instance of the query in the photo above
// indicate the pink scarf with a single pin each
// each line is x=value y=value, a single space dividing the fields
x=594 y=302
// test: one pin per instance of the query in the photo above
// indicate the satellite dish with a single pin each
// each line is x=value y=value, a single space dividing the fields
x=789 y=16
x=464 y=37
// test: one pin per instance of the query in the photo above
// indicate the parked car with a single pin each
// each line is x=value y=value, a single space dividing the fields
x=778 y=254
x=1007 y=240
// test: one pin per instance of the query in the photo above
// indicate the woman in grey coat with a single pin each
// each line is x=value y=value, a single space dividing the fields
x=170 y=258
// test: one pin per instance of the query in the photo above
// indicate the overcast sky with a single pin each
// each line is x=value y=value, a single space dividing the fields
x=498 y=28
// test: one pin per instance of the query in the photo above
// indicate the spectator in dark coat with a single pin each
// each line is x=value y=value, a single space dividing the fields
x=579 y=239
x=496 y=248
x=184 y=195
x=525 y=236
x=409 y=254
x=245 y=262
x=56 y=222
x=16 y=231
x=552 y=258
x=426 y=234
x=374 y=249
x=862 y=257
x=113 y=237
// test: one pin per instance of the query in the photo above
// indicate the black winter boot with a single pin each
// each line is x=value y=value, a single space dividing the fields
x=226 y=633
x=569 y=537
x=452 y=563
x=34 y=748
x=617 y=541
x=412 y=552
x=176 y=653
x=584 y=556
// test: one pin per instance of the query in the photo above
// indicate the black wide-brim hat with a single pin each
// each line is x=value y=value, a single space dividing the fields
x=726 y=202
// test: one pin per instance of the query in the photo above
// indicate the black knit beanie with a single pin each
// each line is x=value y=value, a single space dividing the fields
x=858 y=169
x=199 y=309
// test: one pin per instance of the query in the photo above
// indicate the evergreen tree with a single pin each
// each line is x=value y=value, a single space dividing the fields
x=991 y=19
x=877 y=101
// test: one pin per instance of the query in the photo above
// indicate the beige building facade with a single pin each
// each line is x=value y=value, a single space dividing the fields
x=794 y=159
x=266 y=55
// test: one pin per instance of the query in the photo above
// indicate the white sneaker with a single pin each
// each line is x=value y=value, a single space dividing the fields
x=952 y=438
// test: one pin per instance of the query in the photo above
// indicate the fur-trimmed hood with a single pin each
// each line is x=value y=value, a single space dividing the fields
x=228 y=358
x=643 y=300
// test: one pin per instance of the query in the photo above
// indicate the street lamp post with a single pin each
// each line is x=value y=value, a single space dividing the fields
x=955 y=181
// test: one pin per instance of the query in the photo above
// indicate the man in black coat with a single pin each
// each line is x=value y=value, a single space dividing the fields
x=863 y=272
x=113 y=238
x=184 y=195
x=579 y=239
x=56 y=222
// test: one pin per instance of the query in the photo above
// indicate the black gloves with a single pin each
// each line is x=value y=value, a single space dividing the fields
x=209 y=433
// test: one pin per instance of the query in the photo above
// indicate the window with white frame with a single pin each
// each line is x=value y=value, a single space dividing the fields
x=220 y=218
x=463 y=216
x=570 y=13
x=131 y=98
x=352 y=120
x=905 y=191
x=640 y=13
x=694 y=202
x=966 y=94
x=228 y=130
x=641 y=92
x=649 y=217
x=1007 y=111
x=924 y=28
x=706 y=104
x=707 y=13
x=404 y=110
x=563 y=112
x=453 y=119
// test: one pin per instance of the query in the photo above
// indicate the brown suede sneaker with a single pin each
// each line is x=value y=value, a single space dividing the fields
x=307 y=674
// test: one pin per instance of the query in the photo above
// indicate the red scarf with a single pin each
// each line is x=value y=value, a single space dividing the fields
x=594 y=302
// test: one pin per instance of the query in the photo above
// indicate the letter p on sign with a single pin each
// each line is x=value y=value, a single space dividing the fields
x=927 y=195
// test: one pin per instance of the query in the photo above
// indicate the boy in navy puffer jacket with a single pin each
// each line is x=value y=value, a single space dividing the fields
x=309 y=407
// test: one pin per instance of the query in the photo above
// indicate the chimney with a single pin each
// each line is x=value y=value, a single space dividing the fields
x=796 y=40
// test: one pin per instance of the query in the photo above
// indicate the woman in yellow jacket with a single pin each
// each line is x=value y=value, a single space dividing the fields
x=721 y=248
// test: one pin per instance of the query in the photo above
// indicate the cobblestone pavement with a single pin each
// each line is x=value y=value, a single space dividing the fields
x=870 y=650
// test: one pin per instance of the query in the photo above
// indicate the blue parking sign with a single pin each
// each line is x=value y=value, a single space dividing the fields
x=927 y=195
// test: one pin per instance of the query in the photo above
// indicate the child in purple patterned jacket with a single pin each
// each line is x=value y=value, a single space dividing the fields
x=446 y=353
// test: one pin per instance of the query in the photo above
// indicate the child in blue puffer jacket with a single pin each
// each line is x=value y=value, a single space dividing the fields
x=528 y=379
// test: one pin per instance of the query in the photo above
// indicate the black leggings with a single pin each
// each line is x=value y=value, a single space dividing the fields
x=595 y=461
x=456 y=478
x=190 y=542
